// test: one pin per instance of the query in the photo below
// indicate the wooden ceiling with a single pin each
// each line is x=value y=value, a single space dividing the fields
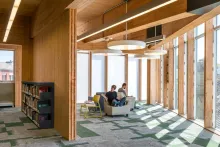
x=27 y=7
x=95 y=9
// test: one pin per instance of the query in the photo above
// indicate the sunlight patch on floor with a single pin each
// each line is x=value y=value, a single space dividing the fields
x=154 y=108
x=167 y=117
x=141 y=112
x=191 y=132
x=162 y=133
x=152 y=124
x=177 y=123
x=176 y=142
x=214 y=141
x=146 y=117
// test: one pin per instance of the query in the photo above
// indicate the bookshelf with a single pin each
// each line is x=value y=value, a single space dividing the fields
x=38 y=103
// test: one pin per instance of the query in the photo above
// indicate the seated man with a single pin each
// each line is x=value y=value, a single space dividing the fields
x=123 y=89
x=113 y=98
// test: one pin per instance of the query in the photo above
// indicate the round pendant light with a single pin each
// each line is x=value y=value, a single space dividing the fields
x=150 y=57
x=106 y=52
x=155 y=52
x=126 y=45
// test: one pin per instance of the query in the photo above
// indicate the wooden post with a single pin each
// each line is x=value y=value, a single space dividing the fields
x=126 y=72
x=190 y=74
x=72 y=76
x=90 y=75
x=148 y=81
x=181 y=75
x=140 y=80
x=106 y=74
x=159 y=81
x=171 y=76
x=165 y=63
x=209 y=31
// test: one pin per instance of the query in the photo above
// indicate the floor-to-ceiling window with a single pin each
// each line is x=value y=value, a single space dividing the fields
x=185 y=73
x=116 y=71
x=82 y=77
x=175 y=43
x=133 y=75
x=199 y=72
x=98 y=73
x=144 y=80
x=217 y=73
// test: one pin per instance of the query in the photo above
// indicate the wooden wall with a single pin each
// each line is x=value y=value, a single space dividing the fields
x=20 y=35
x=54 y=60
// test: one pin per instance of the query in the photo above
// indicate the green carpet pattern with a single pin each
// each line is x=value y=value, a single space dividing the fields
x=150 y=126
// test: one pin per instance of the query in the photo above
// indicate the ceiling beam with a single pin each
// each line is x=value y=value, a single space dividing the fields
x=182 y=31
x=92 y=46
x=171 y=12
x=80 y=4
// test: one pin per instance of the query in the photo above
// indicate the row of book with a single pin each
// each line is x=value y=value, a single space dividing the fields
x=30 y=101
x=34 y=115
x=34 y=90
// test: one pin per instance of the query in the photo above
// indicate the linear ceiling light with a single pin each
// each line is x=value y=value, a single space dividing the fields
x=11 y=19
x=151 y=6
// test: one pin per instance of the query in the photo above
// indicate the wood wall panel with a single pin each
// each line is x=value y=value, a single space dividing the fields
x=54 y=60
x=171 y=77
x=190 y=75
x=181 y=75
x=208 y=74
x=47 y=13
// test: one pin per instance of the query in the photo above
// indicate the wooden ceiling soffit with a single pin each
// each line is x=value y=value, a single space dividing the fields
x=48 y=11
x=171 y=12
x=80 y=4
x=190 y=26
x=92 y=46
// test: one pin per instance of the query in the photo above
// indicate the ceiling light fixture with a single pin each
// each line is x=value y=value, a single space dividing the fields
x=106 y=52
x=149 y=57
x=11 y=19
x=151 y=6
x=155 y=52
x=126 y=44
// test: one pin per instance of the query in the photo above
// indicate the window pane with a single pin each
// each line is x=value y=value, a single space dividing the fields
x=217 y=81
x=199 y=101
x=6 y=66
x=200 y=29
x=82 y=77
x=218 y=20
x=133 y=82
x=98 y=74
x=144 y=80
x=116 y=71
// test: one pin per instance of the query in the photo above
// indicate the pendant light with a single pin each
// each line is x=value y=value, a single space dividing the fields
x=106 y=52
x=126 y=44
x=149 y=57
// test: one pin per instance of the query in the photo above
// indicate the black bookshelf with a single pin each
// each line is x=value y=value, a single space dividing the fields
x=38 y=103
